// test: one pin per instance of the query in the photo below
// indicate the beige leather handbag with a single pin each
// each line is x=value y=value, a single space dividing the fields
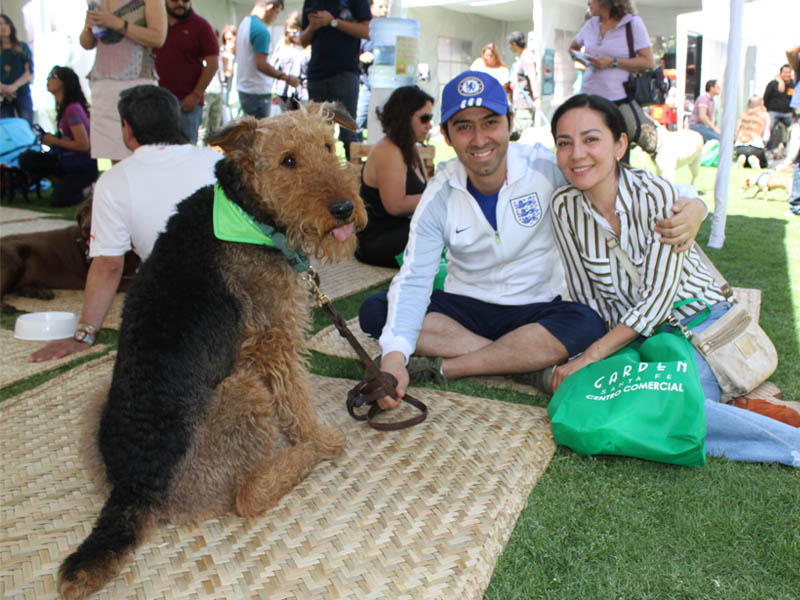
x=740 y=354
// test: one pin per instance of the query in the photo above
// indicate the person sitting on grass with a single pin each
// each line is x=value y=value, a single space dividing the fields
x=501 y=310
x=133 y=201
x=607 y=199
x=69 y=162
x=394 y=176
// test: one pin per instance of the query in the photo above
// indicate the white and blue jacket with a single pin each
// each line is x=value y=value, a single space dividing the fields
x=516 y=264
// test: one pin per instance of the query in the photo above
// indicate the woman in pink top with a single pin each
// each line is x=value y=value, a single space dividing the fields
x=124 y=59
x=68 y=163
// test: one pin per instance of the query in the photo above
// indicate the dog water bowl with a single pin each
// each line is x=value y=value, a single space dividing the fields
x=41 y=326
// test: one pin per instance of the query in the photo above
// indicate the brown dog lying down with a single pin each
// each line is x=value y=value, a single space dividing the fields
x=769 y=180
x=34 y=264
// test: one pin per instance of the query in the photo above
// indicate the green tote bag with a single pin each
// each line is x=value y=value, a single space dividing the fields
x=644 y=401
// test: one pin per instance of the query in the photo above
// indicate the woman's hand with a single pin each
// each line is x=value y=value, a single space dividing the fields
x=600 y=62
x=99 y=14
x=49 y=139
x=568 y=368
x=681 y=229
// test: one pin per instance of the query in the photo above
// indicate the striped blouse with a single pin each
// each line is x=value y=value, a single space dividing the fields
x=596 y=278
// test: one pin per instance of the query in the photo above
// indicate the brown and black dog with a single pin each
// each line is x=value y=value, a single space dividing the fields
x=34 y=264
x=210 y=407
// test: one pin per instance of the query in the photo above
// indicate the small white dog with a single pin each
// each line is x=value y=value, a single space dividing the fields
x=675 y=149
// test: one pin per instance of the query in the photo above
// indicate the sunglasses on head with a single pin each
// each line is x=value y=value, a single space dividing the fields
x=426 y=118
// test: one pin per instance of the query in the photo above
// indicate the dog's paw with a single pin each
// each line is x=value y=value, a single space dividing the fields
x=36 y=291
x=77 y=579
x=330 y=442
x=7 y=308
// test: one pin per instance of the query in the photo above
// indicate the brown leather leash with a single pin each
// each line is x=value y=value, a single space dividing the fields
x=377 y=384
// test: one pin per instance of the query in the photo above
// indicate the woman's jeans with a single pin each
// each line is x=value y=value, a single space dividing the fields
x=736 y=433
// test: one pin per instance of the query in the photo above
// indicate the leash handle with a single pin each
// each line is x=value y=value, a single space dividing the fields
x=377 y=384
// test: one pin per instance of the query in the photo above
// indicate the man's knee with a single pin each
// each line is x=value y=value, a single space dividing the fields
x=372 y=314
x=578 y=326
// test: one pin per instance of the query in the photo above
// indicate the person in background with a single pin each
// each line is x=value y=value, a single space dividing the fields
x=605 y=199
x=525 y=97
x=394 y=176
x=379 y=9
x=289 y=58
x=777 y=97
x=793 y=56
x=133 y=201
x=16 y=71
x=254 y=72
x=187 y=62
x=227 y=53
x=604 y=38
x=129 y=30
x=702 y=119
x=490 y=62
x=334 y=29
x=69 y=162
x=212 y=111
x=748 y=145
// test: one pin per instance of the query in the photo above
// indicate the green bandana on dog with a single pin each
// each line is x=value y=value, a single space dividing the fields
x=233 y=224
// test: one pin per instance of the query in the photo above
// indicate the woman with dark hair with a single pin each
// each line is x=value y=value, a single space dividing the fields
x=16 y=71
x=606 y=201
x=290 y=57
x=68 y=163
x=394 y=176
x=491 y=63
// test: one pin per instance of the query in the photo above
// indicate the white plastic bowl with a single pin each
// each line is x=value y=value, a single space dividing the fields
x=41 y=326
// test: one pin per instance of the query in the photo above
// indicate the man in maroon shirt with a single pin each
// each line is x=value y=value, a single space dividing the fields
x=187 y=62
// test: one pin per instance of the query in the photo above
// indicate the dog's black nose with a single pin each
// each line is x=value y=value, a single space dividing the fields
x=341 y=210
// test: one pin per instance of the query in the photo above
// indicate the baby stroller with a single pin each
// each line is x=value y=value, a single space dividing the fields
x=16 y=136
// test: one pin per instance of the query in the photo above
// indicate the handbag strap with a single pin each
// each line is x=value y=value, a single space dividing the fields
x=726 y=288
x=629 y=36
x=625 y=261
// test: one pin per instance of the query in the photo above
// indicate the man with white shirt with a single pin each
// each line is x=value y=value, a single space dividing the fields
x=134 y=200
x=501 y=310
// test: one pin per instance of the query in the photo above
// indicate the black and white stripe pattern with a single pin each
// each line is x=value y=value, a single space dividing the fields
x=594 y=275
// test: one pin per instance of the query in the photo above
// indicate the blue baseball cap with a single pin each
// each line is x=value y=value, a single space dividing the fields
x=473 y=88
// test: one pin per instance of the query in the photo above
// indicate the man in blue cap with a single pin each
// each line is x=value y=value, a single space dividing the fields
x=501 y=310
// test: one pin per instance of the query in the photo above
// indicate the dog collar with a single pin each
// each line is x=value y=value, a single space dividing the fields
x=233 y=224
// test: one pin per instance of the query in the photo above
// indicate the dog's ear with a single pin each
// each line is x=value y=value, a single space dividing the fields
x=336 y=113
x=237 y=136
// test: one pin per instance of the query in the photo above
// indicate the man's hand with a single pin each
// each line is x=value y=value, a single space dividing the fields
x=189 y=103
x=394 y=363
x=58 y=349
x=320 y=18
x=681 y=229
x=293 y=81
x=366 y=58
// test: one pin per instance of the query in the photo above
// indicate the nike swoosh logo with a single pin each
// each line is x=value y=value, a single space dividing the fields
x=462 y=229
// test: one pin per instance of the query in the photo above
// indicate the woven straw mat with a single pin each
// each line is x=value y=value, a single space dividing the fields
x=69 y=301
x=415 y=514
x=14 y=353
x=328 y=341
x=350 y=276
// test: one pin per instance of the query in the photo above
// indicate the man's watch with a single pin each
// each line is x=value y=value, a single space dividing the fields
x=85 y=333
x=334 y=23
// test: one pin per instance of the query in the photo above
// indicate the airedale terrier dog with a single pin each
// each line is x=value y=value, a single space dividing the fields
x=210 y=404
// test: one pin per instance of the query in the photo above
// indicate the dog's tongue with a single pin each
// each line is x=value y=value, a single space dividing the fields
x=343 y=232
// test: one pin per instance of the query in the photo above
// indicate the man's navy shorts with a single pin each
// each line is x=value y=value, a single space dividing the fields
x=574 y=325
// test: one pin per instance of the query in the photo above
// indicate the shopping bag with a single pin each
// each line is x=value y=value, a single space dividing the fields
x=644 y=401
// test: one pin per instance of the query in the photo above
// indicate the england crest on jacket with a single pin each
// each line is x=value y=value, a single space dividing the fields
x=527 y=210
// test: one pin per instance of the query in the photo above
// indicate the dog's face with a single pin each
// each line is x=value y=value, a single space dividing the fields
x=294 y=177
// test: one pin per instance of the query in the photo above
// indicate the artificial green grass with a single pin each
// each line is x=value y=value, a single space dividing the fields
x=611 y=527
